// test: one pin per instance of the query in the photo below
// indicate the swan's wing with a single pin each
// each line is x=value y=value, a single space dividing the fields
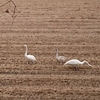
x=31 y=57
x=73 y=62
x=61 y=58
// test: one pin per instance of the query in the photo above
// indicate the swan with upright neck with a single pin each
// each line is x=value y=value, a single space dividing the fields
x=60 y=59
x=29 y=57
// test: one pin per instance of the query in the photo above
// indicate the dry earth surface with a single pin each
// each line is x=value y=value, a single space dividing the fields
x=72 y=26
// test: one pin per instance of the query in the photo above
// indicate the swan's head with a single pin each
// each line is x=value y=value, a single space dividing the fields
x=56 y=49
x=25 y=45
x=86 y=62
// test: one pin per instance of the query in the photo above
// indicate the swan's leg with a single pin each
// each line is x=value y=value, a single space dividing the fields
x=61 y=62
x=58 y=62
x=76 y=68
x=30 y=62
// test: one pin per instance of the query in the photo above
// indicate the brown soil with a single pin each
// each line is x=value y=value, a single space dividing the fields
x=72 y=26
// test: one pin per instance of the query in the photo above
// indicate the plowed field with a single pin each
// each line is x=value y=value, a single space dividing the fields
x=72 y=26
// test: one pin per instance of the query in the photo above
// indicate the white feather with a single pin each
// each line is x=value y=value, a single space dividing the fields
x=60 y=58
x=76 y=62
x=29 y=57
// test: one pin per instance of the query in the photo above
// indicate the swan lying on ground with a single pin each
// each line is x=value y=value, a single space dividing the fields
x=29 y=57
x=60 y=59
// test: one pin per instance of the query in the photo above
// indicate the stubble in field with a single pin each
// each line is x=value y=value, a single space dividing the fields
x=72 y=27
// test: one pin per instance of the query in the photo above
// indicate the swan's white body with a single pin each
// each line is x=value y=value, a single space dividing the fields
x=60 y=59
x=29 y=57
x=76 y=62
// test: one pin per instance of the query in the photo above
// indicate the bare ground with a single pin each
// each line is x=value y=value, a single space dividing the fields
x=71 y=26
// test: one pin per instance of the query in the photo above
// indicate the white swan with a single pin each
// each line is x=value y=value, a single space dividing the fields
x=60 y=59
x=29 y=57
x=76 y=62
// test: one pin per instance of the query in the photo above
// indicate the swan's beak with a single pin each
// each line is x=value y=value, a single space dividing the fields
x=24 y=45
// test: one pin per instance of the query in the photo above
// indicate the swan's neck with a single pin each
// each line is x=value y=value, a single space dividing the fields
x=56 y=53
x=26 y=51
x=86 y=63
